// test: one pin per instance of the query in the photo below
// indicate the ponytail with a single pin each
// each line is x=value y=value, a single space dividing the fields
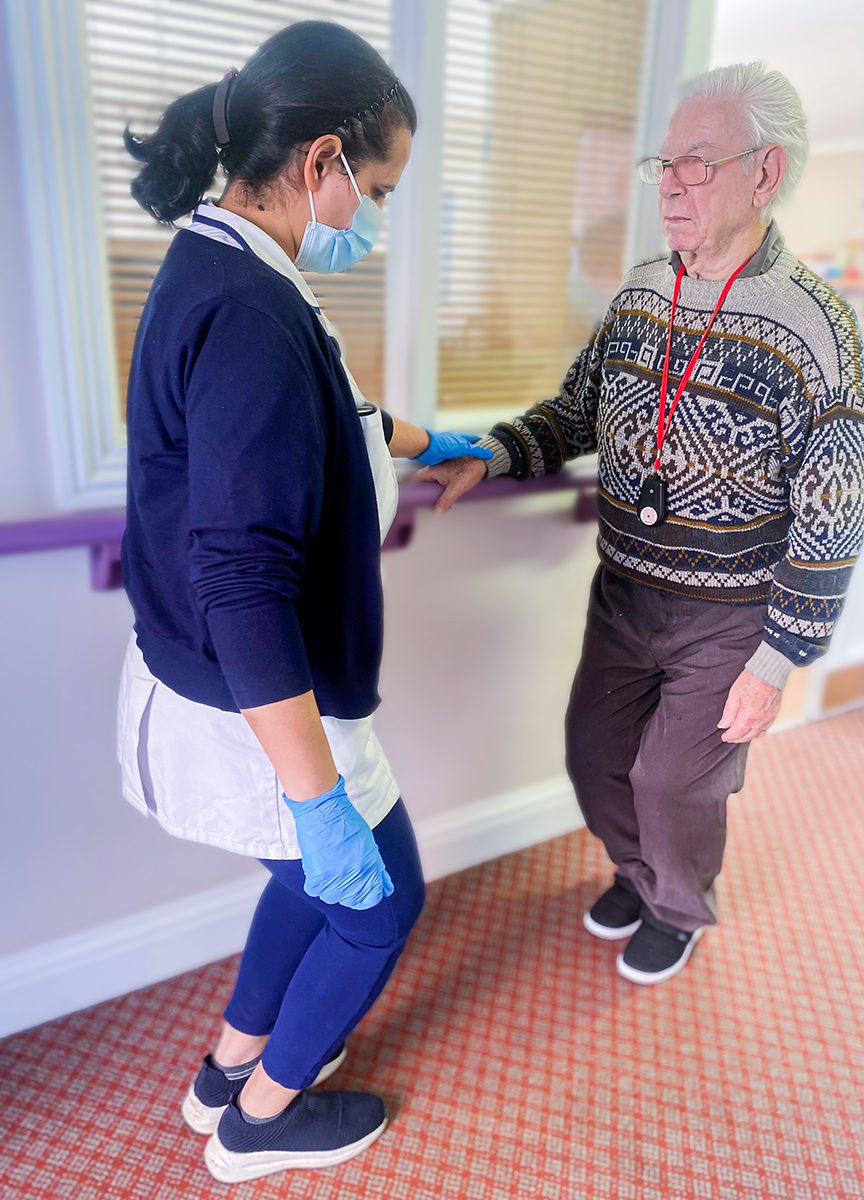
x=180 y=159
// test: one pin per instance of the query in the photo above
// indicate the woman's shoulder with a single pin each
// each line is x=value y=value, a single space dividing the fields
x=205 y=289
x=205 y=271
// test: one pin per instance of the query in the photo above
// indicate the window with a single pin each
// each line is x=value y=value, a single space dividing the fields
x=540 y=123
x=506 y=239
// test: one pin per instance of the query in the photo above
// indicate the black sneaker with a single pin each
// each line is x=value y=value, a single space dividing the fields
x=656 y=951
x=615 y=915
x=214 y=1089
x=317 y=1129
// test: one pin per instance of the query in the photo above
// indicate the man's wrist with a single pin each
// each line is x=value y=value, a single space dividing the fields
x=500 y=463
x=769 y=665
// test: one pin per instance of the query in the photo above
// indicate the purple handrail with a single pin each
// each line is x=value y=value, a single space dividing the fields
x=102 y=529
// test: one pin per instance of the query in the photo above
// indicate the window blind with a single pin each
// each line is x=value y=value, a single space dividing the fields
x=540 y=114
x=145 y=53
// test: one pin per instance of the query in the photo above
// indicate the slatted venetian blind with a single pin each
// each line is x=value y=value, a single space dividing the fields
x=540 y=115
x=145 y=53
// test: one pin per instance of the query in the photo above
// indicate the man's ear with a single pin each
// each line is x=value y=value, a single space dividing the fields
x=769 y=175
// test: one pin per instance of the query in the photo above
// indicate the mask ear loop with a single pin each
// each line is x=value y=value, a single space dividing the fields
x=357 y=191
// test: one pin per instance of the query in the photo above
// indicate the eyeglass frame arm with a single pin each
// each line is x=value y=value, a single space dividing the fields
x=665 y=163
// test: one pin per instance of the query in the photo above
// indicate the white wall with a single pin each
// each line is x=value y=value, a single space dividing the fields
x=484 y=621
x=485 y=613
x=821 y=56
x=817 y=46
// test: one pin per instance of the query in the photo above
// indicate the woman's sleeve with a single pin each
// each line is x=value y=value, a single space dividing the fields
x=256 y=446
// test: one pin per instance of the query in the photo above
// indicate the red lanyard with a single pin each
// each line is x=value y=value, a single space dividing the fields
x=664 y=422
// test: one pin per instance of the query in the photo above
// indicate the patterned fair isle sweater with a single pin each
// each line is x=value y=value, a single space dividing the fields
x=764 y=461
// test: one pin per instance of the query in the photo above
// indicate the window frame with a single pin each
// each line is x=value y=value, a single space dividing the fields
x=68 y=251
x=69 y=248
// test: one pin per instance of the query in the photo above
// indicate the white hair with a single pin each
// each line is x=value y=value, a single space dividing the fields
x=771 y=109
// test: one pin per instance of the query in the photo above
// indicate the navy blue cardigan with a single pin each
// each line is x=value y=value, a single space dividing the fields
x=252 y=550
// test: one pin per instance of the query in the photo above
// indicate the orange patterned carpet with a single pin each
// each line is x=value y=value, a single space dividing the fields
x=514 y=1061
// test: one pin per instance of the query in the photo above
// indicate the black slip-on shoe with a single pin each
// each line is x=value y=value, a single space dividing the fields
x=317 y=1129
x=214 y=1089
x=616 y=914
x=656 y=951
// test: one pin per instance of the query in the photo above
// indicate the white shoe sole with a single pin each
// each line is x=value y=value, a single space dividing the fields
x=606 y=932
x=202 y=1118
x=647 y=977
x=230 y=1166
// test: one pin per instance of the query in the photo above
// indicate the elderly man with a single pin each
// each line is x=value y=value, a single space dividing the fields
x=722 y=393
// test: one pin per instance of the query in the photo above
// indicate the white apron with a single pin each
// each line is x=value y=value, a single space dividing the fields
x=201 y=772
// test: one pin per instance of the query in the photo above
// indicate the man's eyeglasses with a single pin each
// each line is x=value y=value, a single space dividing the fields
x=689 y=169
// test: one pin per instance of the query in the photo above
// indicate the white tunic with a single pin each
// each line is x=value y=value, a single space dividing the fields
x=199 y=771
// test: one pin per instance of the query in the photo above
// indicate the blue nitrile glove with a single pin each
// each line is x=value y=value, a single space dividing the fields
x=341 y=861
x=450 y=445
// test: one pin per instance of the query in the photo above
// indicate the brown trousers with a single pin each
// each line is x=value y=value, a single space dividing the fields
x=646 y=758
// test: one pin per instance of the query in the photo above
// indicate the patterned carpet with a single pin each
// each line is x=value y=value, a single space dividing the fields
x=514 y=1061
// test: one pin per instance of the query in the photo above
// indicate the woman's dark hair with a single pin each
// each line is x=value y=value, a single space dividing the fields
x=311 y=78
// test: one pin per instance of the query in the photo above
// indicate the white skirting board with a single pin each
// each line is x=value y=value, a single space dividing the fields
x=71 y=973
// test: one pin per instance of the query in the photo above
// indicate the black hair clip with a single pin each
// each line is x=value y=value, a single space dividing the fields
x=220 y=107
x=375 y=106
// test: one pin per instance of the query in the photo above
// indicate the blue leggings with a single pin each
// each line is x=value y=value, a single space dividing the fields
x=311 y=970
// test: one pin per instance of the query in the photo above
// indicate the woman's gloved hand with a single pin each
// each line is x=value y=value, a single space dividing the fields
x=341 y=861
x=443 y=446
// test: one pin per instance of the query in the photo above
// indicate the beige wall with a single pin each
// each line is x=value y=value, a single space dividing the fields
x=827 y=208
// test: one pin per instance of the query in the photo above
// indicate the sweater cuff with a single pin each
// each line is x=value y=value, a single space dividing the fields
x=770 y=666
x=500 y=463
x=387 y=422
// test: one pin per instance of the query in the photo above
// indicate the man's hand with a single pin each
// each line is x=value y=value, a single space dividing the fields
x=459 y=475
x=751 y=708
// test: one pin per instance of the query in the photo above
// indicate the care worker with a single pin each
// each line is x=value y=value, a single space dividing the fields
x=260 y=488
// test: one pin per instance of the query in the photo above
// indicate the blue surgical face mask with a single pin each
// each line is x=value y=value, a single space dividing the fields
x=327 y=250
